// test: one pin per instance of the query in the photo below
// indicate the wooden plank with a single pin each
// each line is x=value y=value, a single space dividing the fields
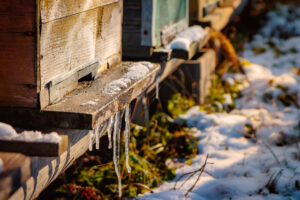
x=233 y=3
x=194 y=48
x=70 y=112
x=18 y=53
x=161 y=55
x=73 y=41
x=41 y=149
x=52 y=10
x=200 y=71
x=46 y=170
x=17 y=70
x=19 y=7
x=16 y=171
x=147 y=31
x=218 y=19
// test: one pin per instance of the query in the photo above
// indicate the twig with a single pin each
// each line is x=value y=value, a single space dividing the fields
x=272 y=152
x=201 y=171
x=174 y=188
x=139 y=185
x=189 y=173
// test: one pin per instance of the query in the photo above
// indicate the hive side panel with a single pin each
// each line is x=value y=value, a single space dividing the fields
x=18 y=85
x=109 y=35
x=67 y=43
x=73 y=43
x=52 y=10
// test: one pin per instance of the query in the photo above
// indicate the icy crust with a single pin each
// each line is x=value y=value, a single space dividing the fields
x=184 y=39
x=135 y=72
x=7 y=132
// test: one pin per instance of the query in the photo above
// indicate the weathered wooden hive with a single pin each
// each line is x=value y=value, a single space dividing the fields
x=51 y=52
x=47 y=46
x=151 y=24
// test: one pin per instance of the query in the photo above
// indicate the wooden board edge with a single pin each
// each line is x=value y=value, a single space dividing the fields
x=41 y=149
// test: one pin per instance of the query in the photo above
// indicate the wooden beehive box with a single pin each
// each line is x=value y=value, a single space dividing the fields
x=47 y=46
x=201 y=8
x=150 y=24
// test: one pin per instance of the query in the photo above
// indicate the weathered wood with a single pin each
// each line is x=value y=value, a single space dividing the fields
x=42 y=149
x=46 y=170
x=71 y=112
x=233 y=3
x=200 y=71
x=161 y=55
x=17 y=53
x=16 y=171
x=70 y=42
x=72 y=33
x=193 y=49
x=218 y=19
x=52 y=10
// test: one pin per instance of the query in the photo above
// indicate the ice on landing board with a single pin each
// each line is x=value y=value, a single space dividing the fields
x=135 y=72
x=184 y=39
x=7 y=132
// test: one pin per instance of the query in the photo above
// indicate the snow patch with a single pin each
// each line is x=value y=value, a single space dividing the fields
x=184 y=39
x=7 y=132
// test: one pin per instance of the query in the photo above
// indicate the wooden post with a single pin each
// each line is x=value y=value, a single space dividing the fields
x=200 y=71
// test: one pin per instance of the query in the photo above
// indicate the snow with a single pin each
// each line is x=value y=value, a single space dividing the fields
x=7 y=132
x=134 y=73
x=239 y=167
x=184 y=39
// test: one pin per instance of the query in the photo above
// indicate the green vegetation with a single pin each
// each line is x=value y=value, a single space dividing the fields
x=151 y=146
x=221 y=96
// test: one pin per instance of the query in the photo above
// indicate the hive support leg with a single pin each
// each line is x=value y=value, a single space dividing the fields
x=199 y=74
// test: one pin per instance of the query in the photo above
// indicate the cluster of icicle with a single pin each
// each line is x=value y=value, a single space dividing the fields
x=114 y=129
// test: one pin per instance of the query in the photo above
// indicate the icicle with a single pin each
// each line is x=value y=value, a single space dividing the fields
x=157 y=87
x=98 y=131
x=116 y=156
x=127 y=136
x=91 y=141
x=97 y=137
x=109 y=130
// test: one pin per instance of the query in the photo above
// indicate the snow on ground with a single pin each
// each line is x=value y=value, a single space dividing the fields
x=242 y=167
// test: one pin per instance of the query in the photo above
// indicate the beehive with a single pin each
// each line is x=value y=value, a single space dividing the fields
x=47 y=46
x=151 y=24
